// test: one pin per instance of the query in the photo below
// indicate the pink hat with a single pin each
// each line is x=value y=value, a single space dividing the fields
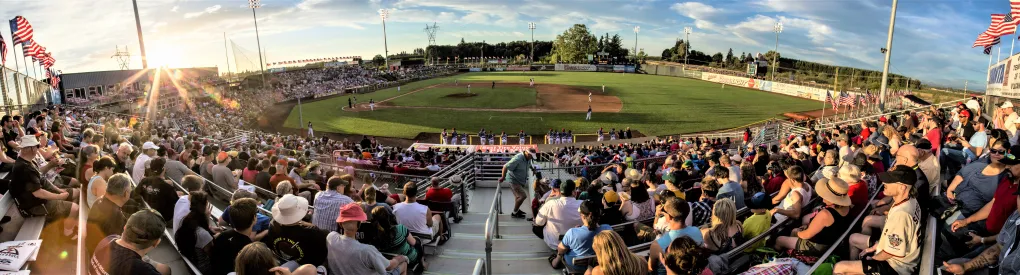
x=351 y=212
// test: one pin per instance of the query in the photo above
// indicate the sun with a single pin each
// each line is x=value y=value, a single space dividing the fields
x=162 y=55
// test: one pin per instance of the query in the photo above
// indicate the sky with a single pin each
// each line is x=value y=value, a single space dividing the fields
x=932 y=39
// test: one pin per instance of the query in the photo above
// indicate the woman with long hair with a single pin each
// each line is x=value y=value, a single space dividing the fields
x=577 y=241
x=749 y=179
x=88 y=156
x=250 y=170
x=725 y=231
x=194 y=238
x=256 y=259
x=642 y=201
x=97 y=183
x=391 y=237
x=613 y=256
x=894 y=138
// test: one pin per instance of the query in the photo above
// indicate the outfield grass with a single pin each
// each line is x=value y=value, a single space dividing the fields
x=654 y=105
x=484 y=97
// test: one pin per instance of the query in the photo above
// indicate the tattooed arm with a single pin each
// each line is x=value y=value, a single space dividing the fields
x=987 y=258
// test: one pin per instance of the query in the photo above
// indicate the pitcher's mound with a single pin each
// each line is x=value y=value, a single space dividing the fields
x=461 y=95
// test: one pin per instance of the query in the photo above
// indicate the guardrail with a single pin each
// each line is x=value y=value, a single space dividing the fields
x=947 y=104
x=492 y=226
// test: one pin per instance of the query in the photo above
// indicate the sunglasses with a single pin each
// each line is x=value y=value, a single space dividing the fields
x=997 y=151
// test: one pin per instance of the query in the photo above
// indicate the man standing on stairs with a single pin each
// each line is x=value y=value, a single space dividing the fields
x=516 y=170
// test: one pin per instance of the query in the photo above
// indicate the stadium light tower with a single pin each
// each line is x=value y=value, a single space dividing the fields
x=254 y=4
x=531 y=26
x=778 y=29
x=383 y=13
x=636 y=30
x=141 y=41
x=687 y=44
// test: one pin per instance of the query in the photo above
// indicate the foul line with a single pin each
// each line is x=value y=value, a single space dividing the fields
x=538 y=117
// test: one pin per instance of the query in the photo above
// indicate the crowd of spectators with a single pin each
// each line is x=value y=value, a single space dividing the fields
x=887 y=173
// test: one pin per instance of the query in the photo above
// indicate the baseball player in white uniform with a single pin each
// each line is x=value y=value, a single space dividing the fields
x=453 y=137
x=463 y=139
x=589 y=96
x=398 y=88
x=612 y=134
x=492 y=139
x=601 y=135
x=520 y=135
x=570 y=136
x=603 y=88
x=503 y=139
x=588 y=116
x=442 y=136
x=481 y=136
x=371 y=104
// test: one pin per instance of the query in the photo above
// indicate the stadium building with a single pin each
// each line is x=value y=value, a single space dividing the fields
x=121 y=90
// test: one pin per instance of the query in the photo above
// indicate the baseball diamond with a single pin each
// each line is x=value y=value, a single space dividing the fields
x=653 y=105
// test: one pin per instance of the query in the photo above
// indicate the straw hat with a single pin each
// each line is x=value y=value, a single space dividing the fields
x=833 y=190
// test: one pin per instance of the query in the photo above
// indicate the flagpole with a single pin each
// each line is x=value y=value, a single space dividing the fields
x=998 y=55
x=823 y=106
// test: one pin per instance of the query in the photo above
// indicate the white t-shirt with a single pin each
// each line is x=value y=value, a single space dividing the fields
x=181 y=209
x=900 y=238
x=558 y=216
x=413 y=216
x=138 y=171
x=1010 y=124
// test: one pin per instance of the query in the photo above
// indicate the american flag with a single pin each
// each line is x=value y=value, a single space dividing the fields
x=863 y=99
x=844 y=98
x=30 y=48
x=54 y=78
x=1005 y=26
x=3 y=50
x=828 y=98
x=1014 y=8
x=21 y=30
x=986 y=37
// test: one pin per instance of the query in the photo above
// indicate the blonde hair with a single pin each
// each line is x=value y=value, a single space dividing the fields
x=614 y=258
x=724 y=216
x=889 y=132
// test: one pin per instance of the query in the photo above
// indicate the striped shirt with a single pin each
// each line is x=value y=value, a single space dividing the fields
x=327 y=209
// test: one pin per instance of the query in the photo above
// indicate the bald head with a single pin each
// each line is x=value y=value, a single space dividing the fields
x=907 y=155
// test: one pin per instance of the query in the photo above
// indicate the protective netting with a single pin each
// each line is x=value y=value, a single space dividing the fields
x=246 y=62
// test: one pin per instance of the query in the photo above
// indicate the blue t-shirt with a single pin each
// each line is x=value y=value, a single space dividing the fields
x=693 y=232
x=977 y=189
x=261 y=221
x=732 y=191
x=579 y=239
x=979 y=139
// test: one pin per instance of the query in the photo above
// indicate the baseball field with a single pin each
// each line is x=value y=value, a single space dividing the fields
x=650 y=104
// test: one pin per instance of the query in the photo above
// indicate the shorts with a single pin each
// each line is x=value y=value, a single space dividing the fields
x=873 y=267
x=53 y=210
x=519 y=190
x=873 y=239
x=811 y=248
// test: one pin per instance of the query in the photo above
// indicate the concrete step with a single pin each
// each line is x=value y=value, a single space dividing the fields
x=515 y=243
x=504 y=228
x=454 y=265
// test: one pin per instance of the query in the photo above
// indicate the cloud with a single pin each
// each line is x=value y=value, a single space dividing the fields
x=174 y=9
x=700 y=12
x=475 y=18
x=209 y=10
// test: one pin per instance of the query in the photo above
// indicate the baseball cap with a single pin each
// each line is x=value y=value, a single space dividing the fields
x=760 y=201
x=611 y=196
x=633 y=174
x=351 y=212
x=687 y=164
x=555 y=183
x=222 y=156
x=232 y=154
x=900 y=174
x=282 y=161
x=1012 y=156
x=1007 y=104
x=149 y=145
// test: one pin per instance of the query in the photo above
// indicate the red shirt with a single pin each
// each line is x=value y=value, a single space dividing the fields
x=935 y=137
x=1004 y=205
x=858 y=196
x=439 y=194
x=774 y=184
x=865 y=134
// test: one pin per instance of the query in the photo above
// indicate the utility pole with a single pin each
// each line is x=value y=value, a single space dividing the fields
x=636 y=30
x=888 y=54
x=141 y=41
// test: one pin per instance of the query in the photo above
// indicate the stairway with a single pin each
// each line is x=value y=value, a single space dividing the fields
x=517 y=252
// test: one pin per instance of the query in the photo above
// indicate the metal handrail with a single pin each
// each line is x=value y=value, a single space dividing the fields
x=492 y=226
x=875 y=117
x=479 y=267
x=229 y=193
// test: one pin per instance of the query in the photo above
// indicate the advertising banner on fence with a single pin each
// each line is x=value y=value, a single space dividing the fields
x=691 y=74
x=518 y=68
x=422 y=147
x=475 y=69
x=765 y=85
x=499 y=69
x=729 y=80
x=544 y=68
x=618 y=68
x=629 y=68
x=576 y=67
x=1000 y=76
